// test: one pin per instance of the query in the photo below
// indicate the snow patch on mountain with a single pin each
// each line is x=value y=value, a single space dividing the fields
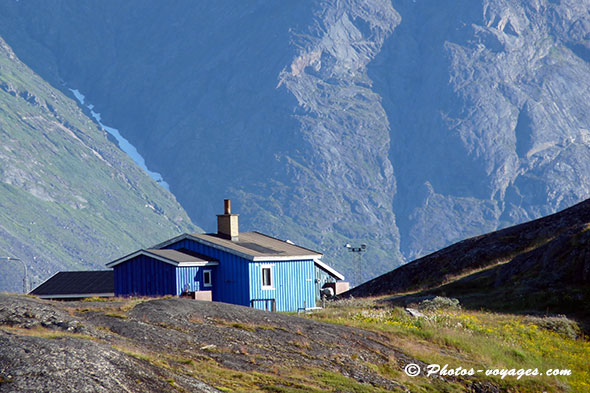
x=122 y=142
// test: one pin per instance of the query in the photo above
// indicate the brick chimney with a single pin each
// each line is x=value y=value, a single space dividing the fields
x=227 y=223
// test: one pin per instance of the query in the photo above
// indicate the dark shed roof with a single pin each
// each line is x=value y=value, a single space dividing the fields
x=64 y=285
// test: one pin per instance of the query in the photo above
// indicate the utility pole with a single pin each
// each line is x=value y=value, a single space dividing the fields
x=26 y=274
x=358 y=252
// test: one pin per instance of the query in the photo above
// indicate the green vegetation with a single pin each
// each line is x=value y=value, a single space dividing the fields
x=482 y=340
x=353 y=345
x=446 y=334
x=283 y=379
x=45 y=333
x=439 y=303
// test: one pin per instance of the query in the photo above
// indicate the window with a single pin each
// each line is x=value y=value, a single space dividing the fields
x=267 y=277
x=207 y=278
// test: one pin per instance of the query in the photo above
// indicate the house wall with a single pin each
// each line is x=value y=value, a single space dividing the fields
x=145 y=276
x=293 y=284
x=238 y=280
x=230 y=283
x=192 y=277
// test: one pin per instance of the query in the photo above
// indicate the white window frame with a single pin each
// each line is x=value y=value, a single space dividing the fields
x=210 y=283
x=262 y=268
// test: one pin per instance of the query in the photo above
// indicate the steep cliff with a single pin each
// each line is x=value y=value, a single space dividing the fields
x=488 y=104
x=406 y=125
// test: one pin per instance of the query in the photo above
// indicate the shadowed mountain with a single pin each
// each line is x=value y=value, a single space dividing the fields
x=539 y=266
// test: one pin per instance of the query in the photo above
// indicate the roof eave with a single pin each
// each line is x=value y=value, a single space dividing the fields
x=198 y=264
x=173 y=240
x=162 y=259
x=76 y=295
x=287 y=258
x=328 y=269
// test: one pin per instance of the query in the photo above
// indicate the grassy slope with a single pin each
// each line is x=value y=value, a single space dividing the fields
x=552 y=278
x=479 y=340
x=69 y=199
x=542 y=266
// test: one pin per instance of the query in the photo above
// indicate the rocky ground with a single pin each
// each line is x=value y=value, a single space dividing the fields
x=183 y=345
x=175 y=345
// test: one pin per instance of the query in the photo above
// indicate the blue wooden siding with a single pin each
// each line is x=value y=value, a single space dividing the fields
x=293 y=284
x=144 y=276
x=192 y=277
x=230 y=283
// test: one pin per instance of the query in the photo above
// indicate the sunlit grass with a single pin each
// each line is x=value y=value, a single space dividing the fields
x=477 y=339
x=42 y=332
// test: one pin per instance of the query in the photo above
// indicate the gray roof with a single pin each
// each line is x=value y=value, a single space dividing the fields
x=174 y=257
x=180 y=256
x=251 y=245
x=77 y=284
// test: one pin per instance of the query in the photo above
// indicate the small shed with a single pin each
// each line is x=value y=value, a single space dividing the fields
x=326 y=277
x=77 y=285
x=159 y=272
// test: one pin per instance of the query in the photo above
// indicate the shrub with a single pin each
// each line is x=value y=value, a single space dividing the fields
x=560 y=325
x=351 y=302
x=439 y=303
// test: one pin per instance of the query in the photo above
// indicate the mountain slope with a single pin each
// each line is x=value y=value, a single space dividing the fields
x=405 y=125
x=229 y=102
x=539 y=266
x=69 y=198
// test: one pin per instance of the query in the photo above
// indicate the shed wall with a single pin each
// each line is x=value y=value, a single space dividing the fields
x=144 y=276
x=192 y=277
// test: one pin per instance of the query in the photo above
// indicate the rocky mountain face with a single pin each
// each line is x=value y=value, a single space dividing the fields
x=405 y=125
x=489 y=110
x=539 y=266
x=69 y=199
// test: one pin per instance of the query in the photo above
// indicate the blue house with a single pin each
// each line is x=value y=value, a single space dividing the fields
x=248 y=268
